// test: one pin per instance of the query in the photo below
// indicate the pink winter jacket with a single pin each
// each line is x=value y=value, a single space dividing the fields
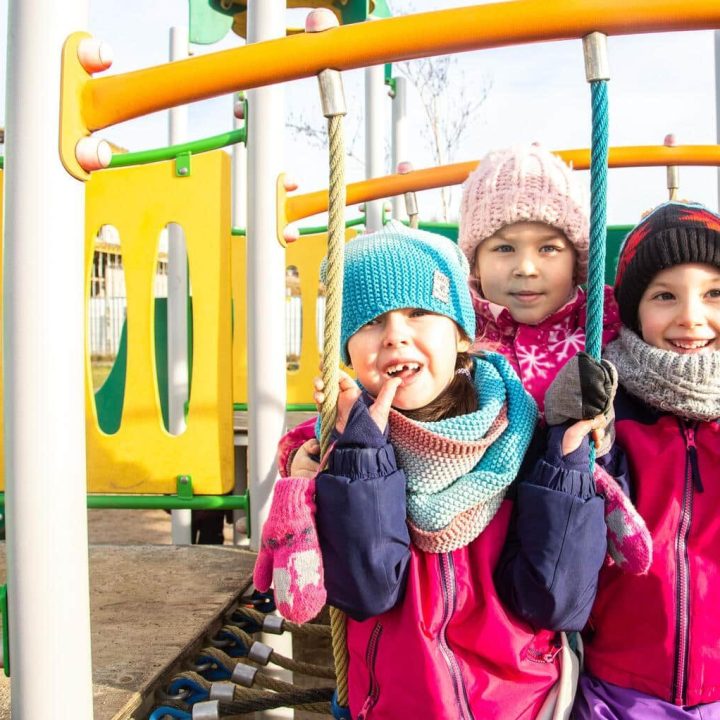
x=659 y=633
x=450 y=650
x=537 y=352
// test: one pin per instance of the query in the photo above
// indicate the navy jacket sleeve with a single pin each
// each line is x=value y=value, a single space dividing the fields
x=556 y=543
x=361 y=519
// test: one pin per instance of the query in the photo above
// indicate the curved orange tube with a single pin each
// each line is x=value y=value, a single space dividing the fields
x=302 y=206
x=112 y=99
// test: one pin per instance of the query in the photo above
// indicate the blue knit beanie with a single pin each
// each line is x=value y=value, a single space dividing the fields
x=399 y=267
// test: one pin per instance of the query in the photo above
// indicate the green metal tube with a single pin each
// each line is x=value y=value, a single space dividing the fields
x=291 y=407
x=143 y=157
x=241 y=232
x=163 y=502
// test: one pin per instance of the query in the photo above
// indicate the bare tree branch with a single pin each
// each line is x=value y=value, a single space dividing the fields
x=450 y=109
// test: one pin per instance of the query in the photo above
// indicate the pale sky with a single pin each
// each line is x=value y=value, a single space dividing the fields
x=660 y=84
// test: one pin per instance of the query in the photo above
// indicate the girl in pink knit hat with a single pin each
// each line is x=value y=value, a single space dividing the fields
x=524 y=230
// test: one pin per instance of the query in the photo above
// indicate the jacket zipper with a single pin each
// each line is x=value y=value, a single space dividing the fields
x=370 y=658
x=447 y=575
x=682 y=592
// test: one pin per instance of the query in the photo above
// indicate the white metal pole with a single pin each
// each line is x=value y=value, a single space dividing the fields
x=399 y=139
x=177 y=285
x=717 y=103
x=374 y=137
x=267 y=392
x=44 y=350
x=239 y=220
x=239 y=179
x=266 y=275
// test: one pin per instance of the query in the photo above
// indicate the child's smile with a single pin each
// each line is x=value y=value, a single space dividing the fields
x=417 y=346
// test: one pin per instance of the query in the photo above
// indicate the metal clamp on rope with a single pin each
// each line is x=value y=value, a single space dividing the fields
x=273 y=624
x=244 y=675
x=332 y=95
x=206 y=710
x=222 y=692
x=260 y=653
x=597 y=66
x=331 y=88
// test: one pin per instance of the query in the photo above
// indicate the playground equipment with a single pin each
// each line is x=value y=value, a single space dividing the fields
x=90 y=104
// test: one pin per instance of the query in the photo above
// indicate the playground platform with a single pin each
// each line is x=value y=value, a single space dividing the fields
x=151 y=607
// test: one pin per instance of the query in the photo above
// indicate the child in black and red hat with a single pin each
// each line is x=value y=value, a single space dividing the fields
x=652 y=646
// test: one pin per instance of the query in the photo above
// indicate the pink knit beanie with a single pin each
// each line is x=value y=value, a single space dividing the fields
x=523 y=184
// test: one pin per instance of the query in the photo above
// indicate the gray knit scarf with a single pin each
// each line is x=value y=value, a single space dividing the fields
x=685 y=385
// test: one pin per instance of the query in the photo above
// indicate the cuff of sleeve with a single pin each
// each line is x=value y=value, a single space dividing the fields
x=571 y=482
x=361 y=430
x=363 y=463
x=578 y=459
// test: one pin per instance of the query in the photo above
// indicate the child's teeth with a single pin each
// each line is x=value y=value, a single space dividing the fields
x=399 y=368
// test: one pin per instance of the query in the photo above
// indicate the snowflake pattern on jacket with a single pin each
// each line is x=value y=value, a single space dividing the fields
x=537 y=352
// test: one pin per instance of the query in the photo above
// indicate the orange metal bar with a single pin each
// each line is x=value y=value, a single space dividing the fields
x=112 y=99
x=302 y=206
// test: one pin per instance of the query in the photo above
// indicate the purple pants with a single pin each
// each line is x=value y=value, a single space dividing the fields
x=599 y=699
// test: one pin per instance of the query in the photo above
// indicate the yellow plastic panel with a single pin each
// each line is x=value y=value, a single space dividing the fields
x=142 y=457
x=306 y=254
x=239 y=294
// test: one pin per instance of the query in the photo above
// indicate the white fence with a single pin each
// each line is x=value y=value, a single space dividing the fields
x=107 y=308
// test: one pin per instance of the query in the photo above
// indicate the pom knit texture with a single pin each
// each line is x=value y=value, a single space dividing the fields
x=524 y=184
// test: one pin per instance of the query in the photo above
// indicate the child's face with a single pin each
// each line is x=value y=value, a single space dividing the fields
x=680 y=309
x=527 y=267
x=415 y=345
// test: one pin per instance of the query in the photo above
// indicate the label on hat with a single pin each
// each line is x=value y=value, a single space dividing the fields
x=441 y=287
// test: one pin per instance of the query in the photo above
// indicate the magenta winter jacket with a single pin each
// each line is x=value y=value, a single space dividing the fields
x=470 y=658
x=660 y=633
x=537 y=352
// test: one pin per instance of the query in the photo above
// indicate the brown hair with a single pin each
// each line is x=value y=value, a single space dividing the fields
x=458 y=398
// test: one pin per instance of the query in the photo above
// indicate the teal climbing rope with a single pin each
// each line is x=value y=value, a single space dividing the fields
x=598 y=218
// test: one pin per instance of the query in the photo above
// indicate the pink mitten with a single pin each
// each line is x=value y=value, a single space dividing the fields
x=291 y=441
x=289 y=556
x=629 y=541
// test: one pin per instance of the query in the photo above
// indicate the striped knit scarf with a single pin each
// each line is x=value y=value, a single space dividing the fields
x=459 y=469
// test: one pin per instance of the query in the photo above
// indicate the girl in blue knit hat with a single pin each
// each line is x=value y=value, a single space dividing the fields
x=415 y=502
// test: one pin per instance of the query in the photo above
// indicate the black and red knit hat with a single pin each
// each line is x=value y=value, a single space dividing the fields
x=672 y=234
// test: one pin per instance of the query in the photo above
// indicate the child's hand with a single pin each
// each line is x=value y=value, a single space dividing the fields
x=582 y=389
x=574 y=435
x=350 y=392
x=304 y=464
